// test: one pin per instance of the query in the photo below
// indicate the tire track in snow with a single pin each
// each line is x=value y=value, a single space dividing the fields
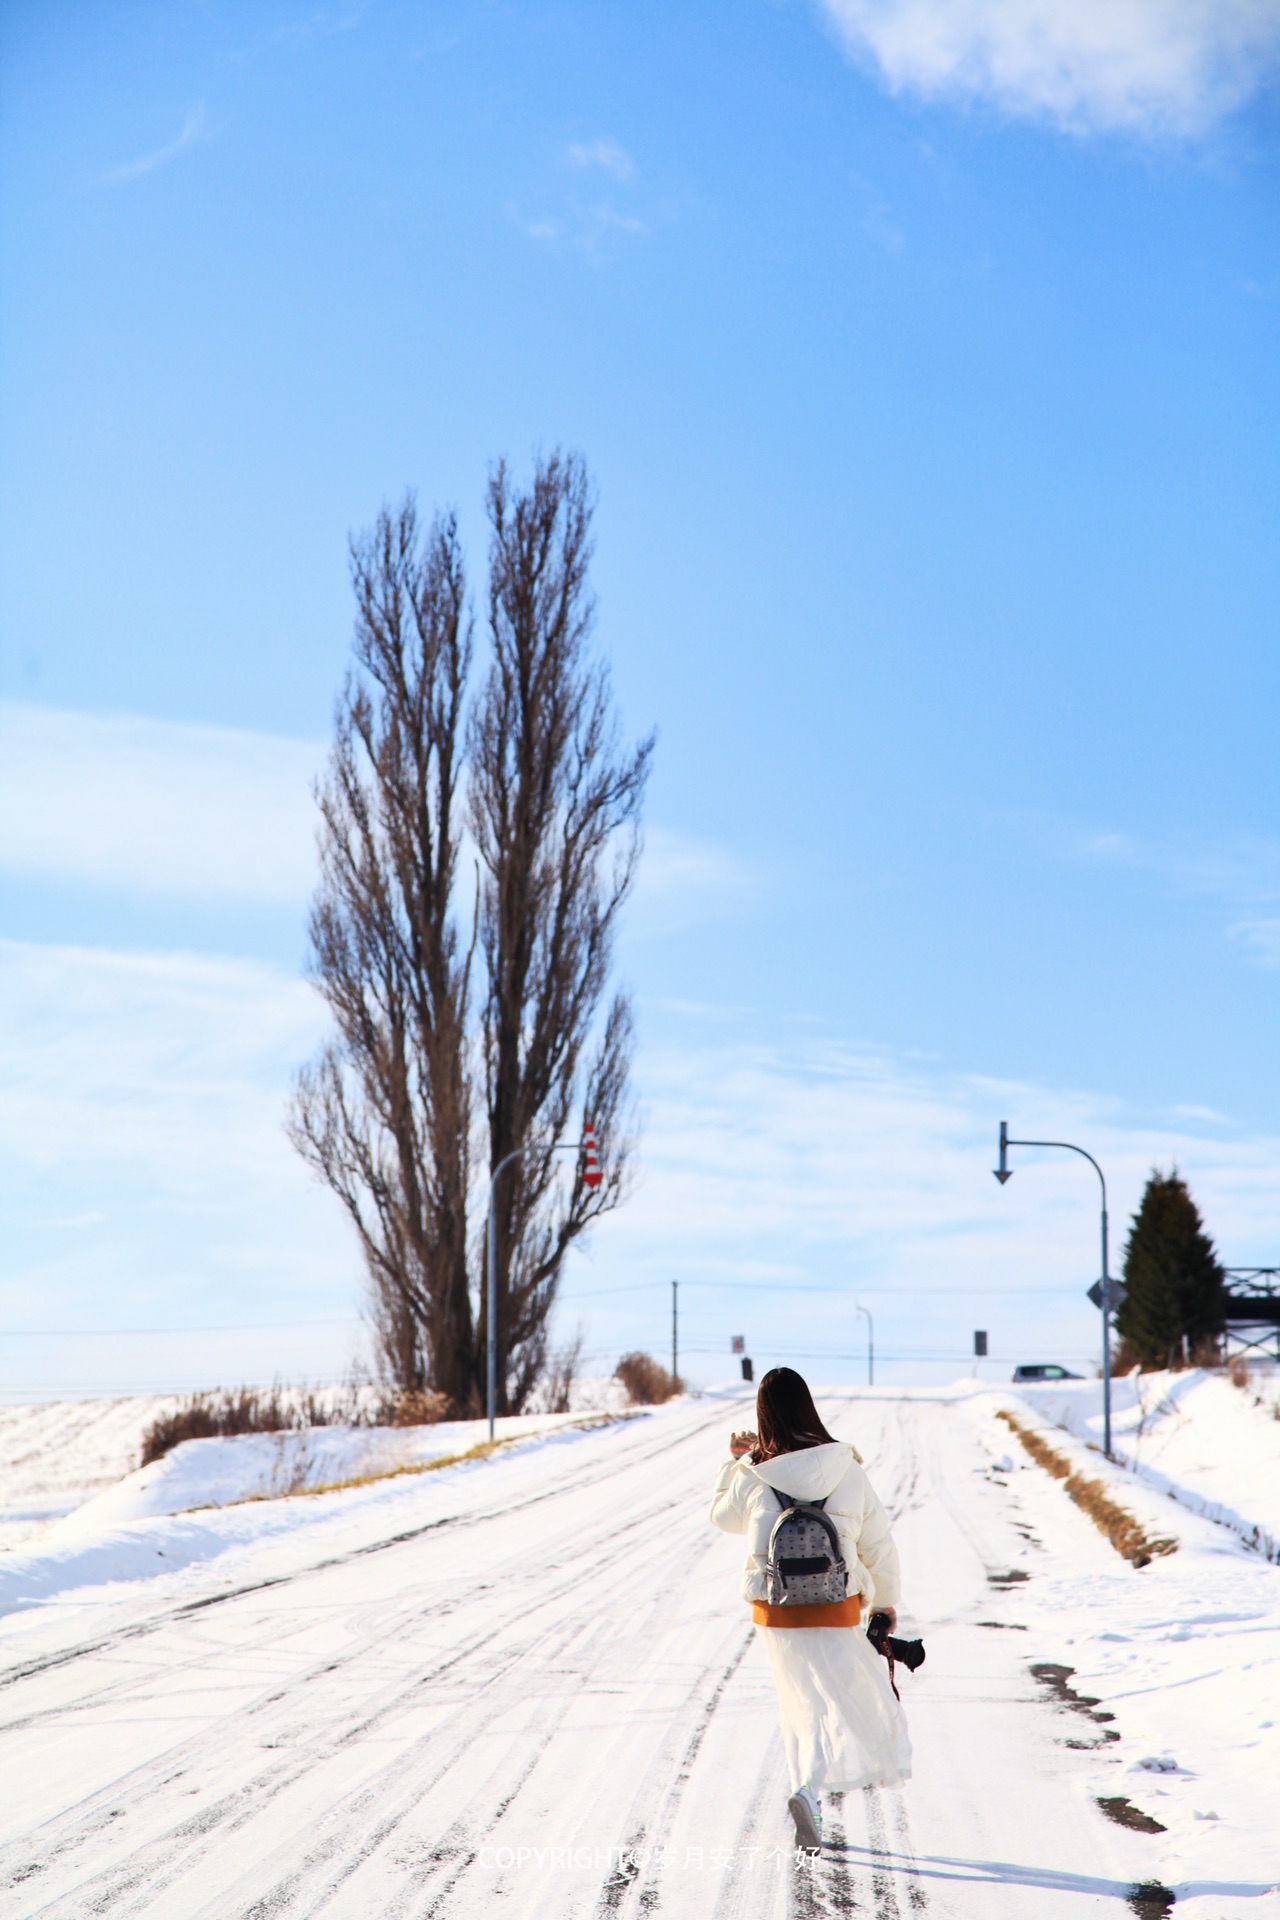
x=650 y=1832
x=247 y=1802
x=463 y=1848
x=149 y=1869
x=905 y=1485
x=110 y=1643
x=588 y=1475
x=164 y=1772
x=883 y=1892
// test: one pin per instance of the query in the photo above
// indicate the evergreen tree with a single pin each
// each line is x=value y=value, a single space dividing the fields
x=1173 y=1275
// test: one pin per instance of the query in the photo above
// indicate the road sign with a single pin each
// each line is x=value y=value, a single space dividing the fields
x=1117 y=1294
x=739 y=1343
x=979 y=1346
x=591 y=1175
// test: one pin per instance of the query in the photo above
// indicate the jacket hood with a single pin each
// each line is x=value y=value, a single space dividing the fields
x=812 y=1473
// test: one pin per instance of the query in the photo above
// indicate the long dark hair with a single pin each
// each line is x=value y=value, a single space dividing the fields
x=786 y=1418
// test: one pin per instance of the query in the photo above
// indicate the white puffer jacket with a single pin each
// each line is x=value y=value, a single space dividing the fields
x=744 y=1502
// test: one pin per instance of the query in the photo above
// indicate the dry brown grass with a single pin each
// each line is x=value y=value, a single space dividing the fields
x=647 y=1383
x=1121 y=1529
x=1239 y=1370
x=209 y=1416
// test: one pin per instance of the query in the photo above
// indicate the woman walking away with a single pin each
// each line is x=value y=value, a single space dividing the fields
x=818 y=1551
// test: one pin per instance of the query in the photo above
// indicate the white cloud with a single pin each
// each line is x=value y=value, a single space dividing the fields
x=147 y=1179
x=1235 y=867
x=1143 y=66
x=589 y=227
x=1263 y=937
x=194 y=128
x=606 y=155
x=769 y=1173
x=1241 y=871
x=156 y=807
x=684 y=881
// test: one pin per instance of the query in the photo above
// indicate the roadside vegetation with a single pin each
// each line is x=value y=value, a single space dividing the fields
x=210 y=1416
x=1173 y=1316
x=647 y=1383
x=1122 y=1530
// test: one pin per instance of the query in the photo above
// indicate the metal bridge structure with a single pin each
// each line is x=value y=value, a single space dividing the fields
x=1251 y=1311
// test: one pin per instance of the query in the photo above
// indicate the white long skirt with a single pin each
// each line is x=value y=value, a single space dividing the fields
x=841 y=1726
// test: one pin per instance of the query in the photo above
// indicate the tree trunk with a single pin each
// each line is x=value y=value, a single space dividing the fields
x=555 y=807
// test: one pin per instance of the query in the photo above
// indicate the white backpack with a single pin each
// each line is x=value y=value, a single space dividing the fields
x=805 y=1567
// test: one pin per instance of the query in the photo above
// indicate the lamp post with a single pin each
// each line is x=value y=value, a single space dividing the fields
x=871 y=1343
x=1005 y=1172
x=591 y=1177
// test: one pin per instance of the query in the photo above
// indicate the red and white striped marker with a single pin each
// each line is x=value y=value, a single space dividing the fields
x=591 y=1174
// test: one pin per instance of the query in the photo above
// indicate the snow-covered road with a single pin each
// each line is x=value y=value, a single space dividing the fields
x=528 y=1686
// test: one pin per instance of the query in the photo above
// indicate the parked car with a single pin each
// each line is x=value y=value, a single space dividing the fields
x=1039 y=1372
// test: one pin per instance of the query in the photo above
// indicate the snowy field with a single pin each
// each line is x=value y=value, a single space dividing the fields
x=525 y=1684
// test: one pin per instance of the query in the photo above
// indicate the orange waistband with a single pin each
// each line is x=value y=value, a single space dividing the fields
x=827 y=1613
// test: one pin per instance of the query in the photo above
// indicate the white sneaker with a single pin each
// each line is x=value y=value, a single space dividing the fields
x=806 y=1815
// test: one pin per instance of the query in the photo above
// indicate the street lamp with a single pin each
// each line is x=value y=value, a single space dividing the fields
x=1105 y=1293
x=591 y=1177
x=871 y=1343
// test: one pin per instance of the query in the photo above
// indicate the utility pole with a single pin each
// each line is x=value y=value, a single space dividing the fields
x=675 y=1330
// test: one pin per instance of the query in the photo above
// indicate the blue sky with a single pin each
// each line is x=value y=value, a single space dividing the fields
x=928 y=370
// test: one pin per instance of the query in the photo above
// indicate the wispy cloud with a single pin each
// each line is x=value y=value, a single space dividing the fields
x=589 y=224
x=877 y=221
x=588 y=227
x=194 y=129
x=155 y=807
x=685 y=881
x=1241 y=872
x=1240 y=867
x=1149 y=67
x=149 y=1180
x=320 y=24
x=768 y=1171
x=606 y=155
x=1262 y=937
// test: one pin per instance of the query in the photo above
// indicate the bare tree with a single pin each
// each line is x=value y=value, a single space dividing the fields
x=555 y=809
x=384 y=1115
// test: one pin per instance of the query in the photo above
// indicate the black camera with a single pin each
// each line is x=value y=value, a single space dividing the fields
x=903 y=1653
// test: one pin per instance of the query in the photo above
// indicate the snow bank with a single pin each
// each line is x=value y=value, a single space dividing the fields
x=54 y=1456
x=221 y=1472
x=1168 y=1675
x=210 y=1496
x=1209 y=1445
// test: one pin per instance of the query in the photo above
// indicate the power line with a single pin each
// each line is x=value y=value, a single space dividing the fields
x=781 y=1289
x=845 y=1290
x=135 y=1333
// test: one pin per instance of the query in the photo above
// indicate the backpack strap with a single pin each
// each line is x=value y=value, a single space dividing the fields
x=794 y=1500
